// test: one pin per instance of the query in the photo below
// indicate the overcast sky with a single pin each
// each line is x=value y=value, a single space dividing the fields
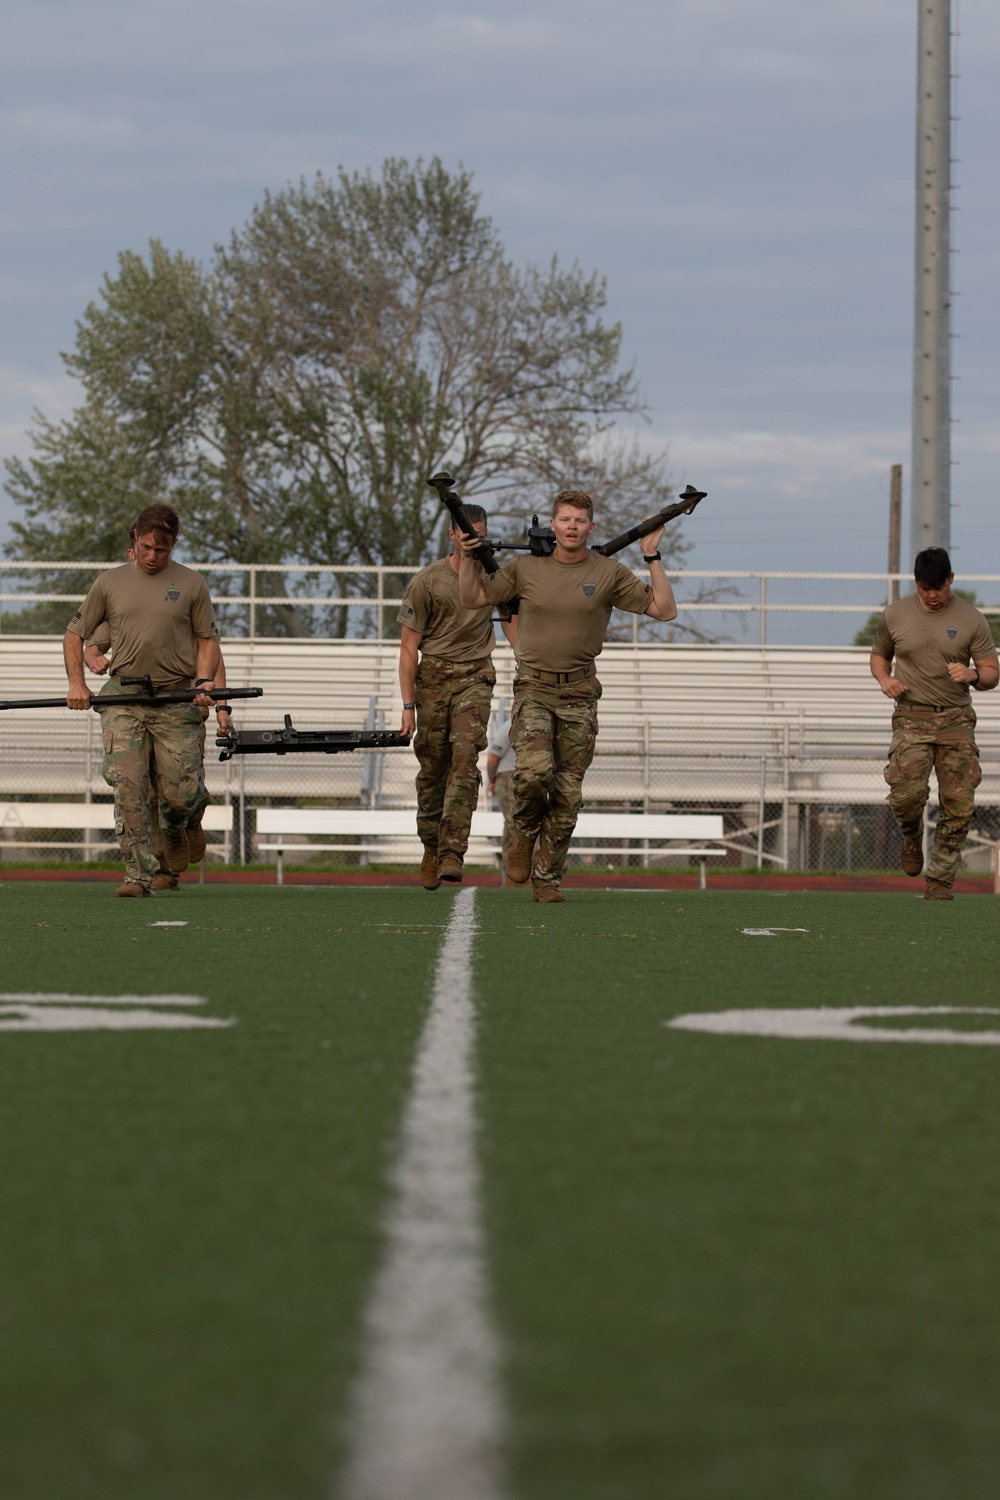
x=740 y=170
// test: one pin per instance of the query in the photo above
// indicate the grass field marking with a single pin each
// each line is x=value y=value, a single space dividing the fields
x=399 y=926
x=56 y=997
x=837 y=1024
x=427 y=1414
x=770 y=931
x=167 y=924
x=26 y=1011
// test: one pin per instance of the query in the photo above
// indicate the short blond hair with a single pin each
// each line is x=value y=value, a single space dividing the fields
x=578 y=499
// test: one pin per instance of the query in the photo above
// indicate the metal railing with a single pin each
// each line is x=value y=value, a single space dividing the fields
x=367 y=595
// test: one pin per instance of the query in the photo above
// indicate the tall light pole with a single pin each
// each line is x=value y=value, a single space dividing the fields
x=930 y=471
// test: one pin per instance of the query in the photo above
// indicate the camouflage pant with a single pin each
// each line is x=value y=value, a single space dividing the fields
x=554 y=732
x=156 y=841
x=453 y=711
x=505 y=797
x=133 y=737
x=922 y=739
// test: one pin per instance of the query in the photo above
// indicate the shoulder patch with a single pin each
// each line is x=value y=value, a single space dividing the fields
x=406 y=609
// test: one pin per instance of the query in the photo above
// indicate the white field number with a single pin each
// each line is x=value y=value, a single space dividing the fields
x=26 y=1011
x=847 y=1023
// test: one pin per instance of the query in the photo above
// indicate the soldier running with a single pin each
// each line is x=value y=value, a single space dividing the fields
x=565 y=605
x=161 y=620
x=933 y=634
x=446 y=698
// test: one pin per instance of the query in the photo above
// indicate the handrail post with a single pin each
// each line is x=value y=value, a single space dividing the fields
x=763 y=609
x=253 y=601
x=761 y=806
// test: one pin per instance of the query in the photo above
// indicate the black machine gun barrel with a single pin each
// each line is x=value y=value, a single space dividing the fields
x=541 y=540
x=319 y=741
x=445 y=486
x=685 y=504
x=150 y=697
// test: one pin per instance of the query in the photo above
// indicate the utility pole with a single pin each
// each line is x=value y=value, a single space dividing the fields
x=930 y=469
x=895 y=517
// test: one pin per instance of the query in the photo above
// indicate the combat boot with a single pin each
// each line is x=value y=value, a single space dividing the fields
x=912 y=857
x=164 y=881
x=429 y=878
x=547 y=894
x=196 y=840
x=450 y=868
x=517 y=865
x=175 y=850
x=936 y=890
x=131 y=888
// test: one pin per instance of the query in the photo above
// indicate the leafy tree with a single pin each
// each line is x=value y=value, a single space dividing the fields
x=866 y=635
x=292 y=398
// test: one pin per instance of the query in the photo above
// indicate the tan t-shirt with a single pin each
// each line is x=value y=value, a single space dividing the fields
x=565 y=607
x=154 y=620
x=431 y=605
x=924 y=643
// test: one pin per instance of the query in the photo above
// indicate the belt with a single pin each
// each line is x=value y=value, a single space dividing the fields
x=466 y=666
x=931 y=708
x=557 y=679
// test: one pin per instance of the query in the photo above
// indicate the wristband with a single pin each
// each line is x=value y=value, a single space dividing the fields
x=409 y=705
x=200 y=680
x=222 y=708
x=975 y=681
x=653 y=557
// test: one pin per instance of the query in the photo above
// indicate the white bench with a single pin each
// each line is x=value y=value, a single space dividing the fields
x=22 y=817
x=363 y=825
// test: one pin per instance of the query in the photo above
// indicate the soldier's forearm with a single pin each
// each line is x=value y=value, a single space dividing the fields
x=73 y=657
x=470 y=588
x=664 y=603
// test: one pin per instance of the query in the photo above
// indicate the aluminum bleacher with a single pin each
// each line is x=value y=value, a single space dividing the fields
x=683 y=726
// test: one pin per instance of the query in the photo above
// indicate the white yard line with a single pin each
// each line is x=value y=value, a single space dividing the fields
x=428 y=1415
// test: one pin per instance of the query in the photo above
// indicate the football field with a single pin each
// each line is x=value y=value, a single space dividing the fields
x=375 y=1194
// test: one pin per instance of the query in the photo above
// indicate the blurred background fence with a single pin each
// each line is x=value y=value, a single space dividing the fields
x=355 y=602
x=787 y=742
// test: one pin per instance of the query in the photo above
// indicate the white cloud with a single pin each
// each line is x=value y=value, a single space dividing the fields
x=797 y=464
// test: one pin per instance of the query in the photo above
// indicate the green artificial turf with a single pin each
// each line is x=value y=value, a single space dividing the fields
x=740 y=1268
x=189 y=1220
x=723 y=1268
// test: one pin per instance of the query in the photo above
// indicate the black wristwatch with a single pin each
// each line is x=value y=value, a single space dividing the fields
x=652 y=557
x=409 y=705
x=975 y=683
x=200 y=680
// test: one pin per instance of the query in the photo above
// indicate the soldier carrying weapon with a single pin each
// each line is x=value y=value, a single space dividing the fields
x=162 y=622
x=446 y=679
x=97 y=657
x=566 y=600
